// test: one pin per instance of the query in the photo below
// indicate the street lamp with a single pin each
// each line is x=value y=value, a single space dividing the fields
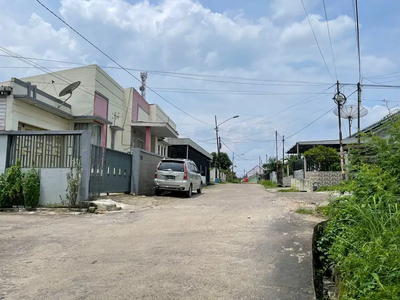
x=340 y=100
x=219 y=143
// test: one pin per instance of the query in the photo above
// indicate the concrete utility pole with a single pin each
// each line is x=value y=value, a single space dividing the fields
x=217 y=139
x=276 y=144
x=340 y=99
x=359 y=112
x=283 y=154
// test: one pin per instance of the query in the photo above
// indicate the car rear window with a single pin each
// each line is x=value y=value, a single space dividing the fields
x=172 y=165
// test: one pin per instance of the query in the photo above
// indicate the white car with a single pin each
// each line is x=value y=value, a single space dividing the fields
x=179 y=175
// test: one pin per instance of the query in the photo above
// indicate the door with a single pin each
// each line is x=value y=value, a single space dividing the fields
x=196 y=176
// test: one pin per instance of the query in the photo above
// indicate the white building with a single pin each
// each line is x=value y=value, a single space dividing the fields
x=118 y=118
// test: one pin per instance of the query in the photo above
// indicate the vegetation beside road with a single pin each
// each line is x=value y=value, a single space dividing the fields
x=268 y=184
x=361 y=242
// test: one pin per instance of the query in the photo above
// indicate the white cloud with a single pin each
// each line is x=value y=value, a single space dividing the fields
x=184 y=36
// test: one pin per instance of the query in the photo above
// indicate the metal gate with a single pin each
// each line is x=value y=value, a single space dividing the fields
x=110 y=171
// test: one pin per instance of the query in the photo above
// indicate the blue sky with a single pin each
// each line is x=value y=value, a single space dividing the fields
x=267 y=44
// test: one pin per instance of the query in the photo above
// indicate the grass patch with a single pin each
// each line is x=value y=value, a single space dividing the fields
x=305 y=211
x=333 y=188
x=322 y=211
x=268 y=184
x=292 y=190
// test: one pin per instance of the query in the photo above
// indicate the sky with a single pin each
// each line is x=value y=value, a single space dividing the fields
x=257 y=59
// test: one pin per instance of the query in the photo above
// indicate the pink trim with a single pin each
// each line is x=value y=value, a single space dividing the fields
x=100 y=106
x=138 y=100
x=148 y=139
x=100 y=109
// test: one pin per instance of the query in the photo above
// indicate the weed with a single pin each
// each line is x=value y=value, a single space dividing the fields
x=291 y=190
x=268 y=184
x=305 y=211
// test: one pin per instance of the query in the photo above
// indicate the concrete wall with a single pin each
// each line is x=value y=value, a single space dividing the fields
x=158 y=115
x=299 y=174
x=53 y=181
x=273 y=177
x=324 y=178
x=3 y=152
x=212 y=176
x=287 y=181
x=303 y=185
x=53 y=184
x=143 y=168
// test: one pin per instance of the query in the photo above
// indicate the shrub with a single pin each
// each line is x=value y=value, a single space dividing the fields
x=31 y=187
x=5 y=199
x=361 y=241
x=13 y=184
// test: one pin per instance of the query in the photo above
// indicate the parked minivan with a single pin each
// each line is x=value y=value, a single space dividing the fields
x=179 y=175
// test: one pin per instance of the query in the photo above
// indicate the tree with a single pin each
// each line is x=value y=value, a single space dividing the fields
x=224 y=162
x=322 y=158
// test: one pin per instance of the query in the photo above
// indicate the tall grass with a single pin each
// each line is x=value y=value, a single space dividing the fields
x=361 y=242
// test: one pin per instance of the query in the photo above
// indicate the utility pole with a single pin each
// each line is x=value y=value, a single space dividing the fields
x=283 y=154
x=233 y=160
x=217 y=160
x=339 y=99
x=359 y=115
x=276 y=143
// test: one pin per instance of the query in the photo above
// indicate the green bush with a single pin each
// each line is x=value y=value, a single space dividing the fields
x=31 y=188
x=13 y=185
x=5 y=199
x=361 y=241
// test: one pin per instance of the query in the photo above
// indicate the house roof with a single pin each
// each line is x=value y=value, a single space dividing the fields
x=188 y=142
x=378 y=126
x=303 y=146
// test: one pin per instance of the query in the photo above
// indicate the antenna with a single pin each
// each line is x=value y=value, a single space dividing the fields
x=350 y=112
x=388 y=108
x=68 y=90
x=142 y=88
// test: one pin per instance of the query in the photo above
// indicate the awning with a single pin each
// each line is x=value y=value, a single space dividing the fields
x=159 y=129
x=90 y=119
x=61 y=112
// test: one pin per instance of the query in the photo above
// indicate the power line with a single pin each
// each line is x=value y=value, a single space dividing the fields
x=183 y=75
x=285 y=109
x=114 y=61
x=316 y=40
x=330 y=40
x=311 y=123
x=238 y=154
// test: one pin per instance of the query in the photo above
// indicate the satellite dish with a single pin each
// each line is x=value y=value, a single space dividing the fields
x=350 y=112
x=68 y=90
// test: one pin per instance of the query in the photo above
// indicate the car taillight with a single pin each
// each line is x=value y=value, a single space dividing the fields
x=185 y=173
x=155 y=174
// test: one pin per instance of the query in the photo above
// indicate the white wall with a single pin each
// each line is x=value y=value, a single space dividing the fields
x=18 y=111
x=158 y=115
x=53 y=183
x=3 y=152
x=82 y=98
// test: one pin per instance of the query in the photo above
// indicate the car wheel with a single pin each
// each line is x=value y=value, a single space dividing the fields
x=200 y=188
x=189 y=192
x=158 y=193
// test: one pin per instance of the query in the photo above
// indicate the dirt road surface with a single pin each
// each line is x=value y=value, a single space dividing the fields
x=231 y=242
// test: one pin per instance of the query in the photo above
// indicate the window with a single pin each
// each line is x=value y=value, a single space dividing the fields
x=172 y=165
x=159 y=151
x=140 y=144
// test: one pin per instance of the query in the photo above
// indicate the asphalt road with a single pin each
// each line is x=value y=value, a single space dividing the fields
x=231 y=242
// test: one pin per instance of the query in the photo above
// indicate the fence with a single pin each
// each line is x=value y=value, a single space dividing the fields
x=44 y=150
x=52 y=153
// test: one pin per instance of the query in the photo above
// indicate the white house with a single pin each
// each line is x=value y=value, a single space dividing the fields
x=118 y=118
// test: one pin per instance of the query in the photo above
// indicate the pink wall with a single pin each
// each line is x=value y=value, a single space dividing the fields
x=101 y=110
x=138 y=100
